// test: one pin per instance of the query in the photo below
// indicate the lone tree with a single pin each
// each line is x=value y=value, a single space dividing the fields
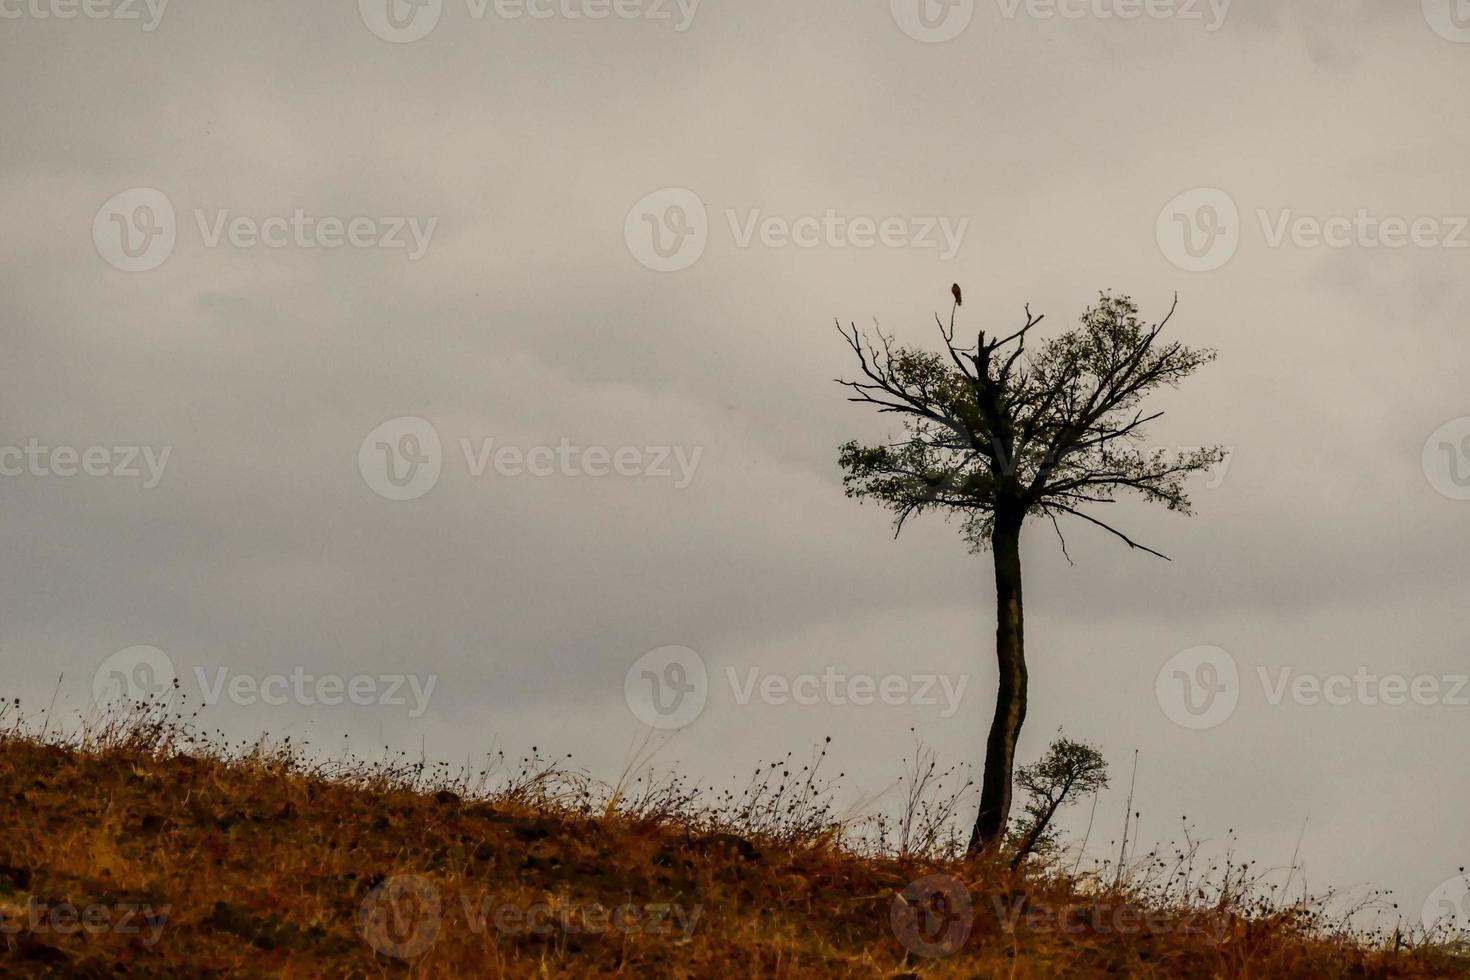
x=997 y=433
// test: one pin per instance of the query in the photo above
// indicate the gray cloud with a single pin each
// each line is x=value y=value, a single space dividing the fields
x=528 y=321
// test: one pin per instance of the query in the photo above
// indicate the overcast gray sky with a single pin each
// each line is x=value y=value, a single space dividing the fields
x=583 y=231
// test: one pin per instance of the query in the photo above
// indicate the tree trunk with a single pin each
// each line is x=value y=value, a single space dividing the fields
x=1010 y=698
x=1037 y=829
x=1032 y=836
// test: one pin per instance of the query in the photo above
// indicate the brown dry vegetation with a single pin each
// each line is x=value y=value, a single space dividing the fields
x=253 y=862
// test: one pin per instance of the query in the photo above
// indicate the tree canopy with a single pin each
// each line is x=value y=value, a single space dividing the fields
x=1001 y=428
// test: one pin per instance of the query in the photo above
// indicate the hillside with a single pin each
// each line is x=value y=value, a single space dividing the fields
x=136 y=855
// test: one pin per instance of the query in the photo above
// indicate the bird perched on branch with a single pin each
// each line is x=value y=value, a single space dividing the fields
x=958 y=298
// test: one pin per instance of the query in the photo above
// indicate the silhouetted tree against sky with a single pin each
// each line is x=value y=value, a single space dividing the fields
x=1069 y=770
x=998 y=433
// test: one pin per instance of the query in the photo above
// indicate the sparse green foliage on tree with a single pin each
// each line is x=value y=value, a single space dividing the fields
x=1000 y=432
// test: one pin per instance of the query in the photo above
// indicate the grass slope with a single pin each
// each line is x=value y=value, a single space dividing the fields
x=131 y=855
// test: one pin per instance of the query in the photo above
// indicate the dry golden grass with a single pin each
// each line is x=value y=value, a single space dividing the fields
x=180 y=860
